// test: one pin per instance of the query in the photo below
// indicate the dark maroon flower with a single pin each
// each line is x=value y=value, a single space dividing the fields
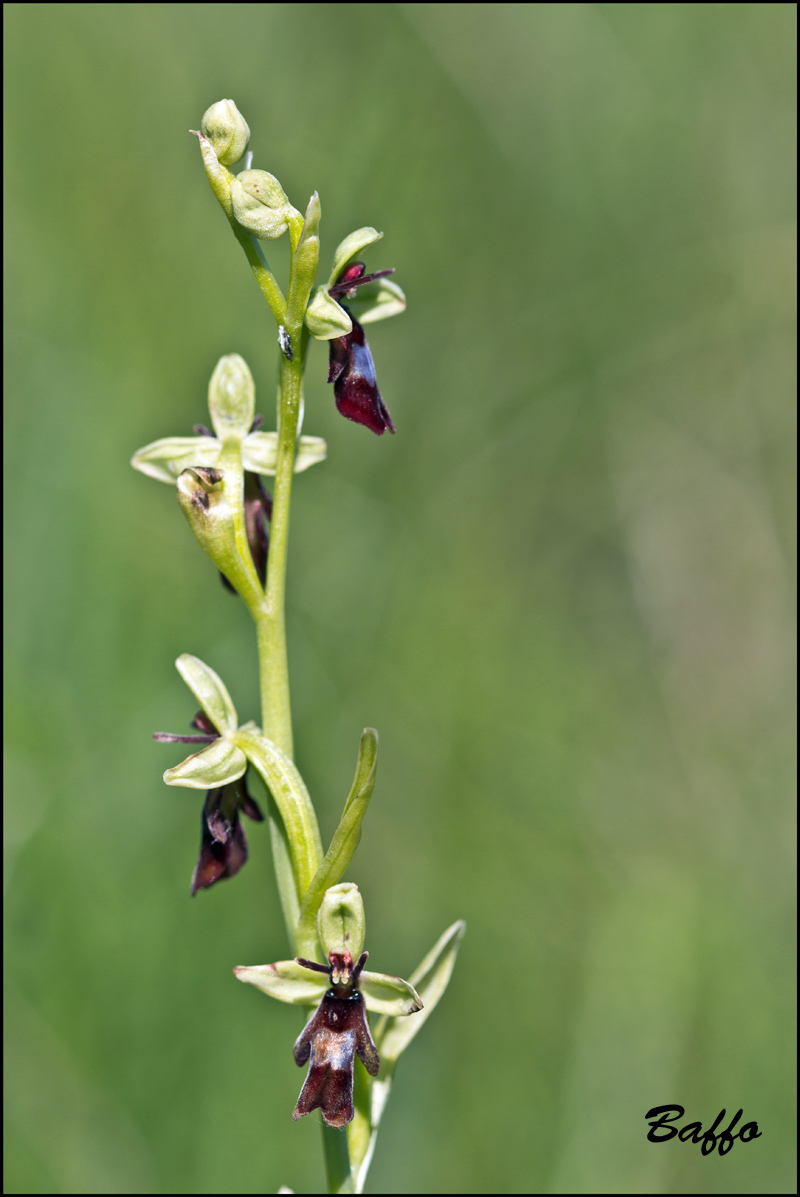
x=223 y=845
x=351 y=368
x=335 y=1034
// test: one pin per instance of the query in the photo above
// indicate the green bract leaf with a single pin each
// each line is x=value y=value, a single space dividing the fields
x=430 y=980
x=167 y=458
x=217 y=765
x=348 y=833
x=352 y=245
x=210 y=692
x=325 y=318
x=384 y=994
x=285 y=980
x=304 y=264
x=231 y=397
x=377 y=301
x=392 y=1037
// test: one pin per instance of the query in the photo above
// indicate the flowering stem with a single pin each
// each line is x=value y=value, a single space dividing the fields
x=337 y=1160
x=274 y=666
x=263 y=275
x=271 y=624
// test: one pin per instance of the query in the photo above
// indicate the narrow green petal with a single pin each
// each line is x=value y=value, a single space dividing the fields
x=167 y=458
x=352 y=245
x=216 y=765
x=209 y=691
x=384 y=994
x=284 y=980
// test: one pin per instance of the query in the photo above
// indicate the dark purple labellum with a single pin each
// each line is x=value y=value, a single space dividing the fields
x=351 y=368
x=355 y=387
x=332 y=1038
x=223 y=847
x=337 y=1033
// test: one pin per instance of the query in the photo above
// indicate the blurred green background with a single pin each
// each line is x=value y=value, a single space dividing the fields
x=562 y=593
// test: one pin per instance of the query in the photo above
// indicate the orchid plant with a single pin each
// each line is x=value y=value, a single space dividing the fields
x=217 y=474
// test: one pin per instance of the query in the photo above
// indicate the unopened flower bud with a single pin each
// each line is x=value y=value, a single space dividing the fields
x=227 y=130
x=340 y=922
x=260 y=204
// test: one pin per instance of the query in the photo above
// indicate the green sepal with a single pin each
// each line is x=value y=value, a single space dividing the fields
x=210 y=692
x=216 y=765
x=166 y=459
x=352 y=245
x=290 y=982
x=231 y=397
x=285 y=980
x=326 y=318
x=260 y=452
x=347 y=835
x=340 y=921
x=310 y=450
x=384 y=994
x=377 y=300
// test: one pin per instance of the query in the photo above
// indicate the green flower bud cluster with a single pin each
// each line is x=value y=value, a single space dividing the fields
x=254 y=198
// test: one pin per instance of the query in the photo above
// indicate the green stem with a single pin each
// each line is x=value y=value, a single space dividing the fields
x=337 y=1160
x=271 y=624
x=263 y=275
x=275 y=704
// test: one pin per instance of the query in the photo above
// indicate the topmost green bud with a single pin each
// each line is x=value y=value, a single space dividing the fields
x=227 y=130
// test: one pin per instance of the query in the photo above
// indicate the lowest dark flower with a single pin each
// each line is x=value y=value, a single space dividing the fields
x=335 y=1034
x=338 y=1031
x=223 y=844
